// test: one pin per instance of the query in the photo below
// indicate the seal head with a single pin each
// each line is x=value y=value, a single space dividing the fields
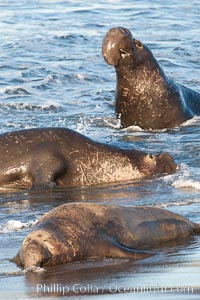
x=33 y=254
x=150 y=164
x=113 y=48
x=120 y=48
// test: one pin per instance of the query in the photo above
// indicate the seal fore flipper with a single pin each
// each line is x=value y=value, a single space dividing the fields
x=116 y=249
x=47 y=167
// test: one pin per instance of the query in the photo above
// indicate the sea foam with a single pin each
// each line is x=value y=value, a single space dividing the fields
x=187 y=183
x=187 y=177
x=14 y=225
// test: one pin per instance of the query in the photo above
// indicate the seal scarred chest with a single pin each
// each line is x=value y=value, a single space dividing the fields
x=145 y=96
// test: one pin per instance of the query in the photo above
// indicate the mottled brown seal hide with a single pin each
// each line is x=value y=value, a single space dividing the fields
x=83 y=230
x=62 y=157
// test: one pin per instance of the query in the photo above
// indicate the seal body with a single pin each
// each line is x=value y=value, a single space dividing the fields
x=145 y=96
x=79 y=231
x=65 y=158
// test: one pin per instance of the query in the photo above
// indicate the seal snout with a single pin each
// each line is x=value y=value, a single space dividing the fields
x=33 y=254
x=114 y=40
x=165 y=163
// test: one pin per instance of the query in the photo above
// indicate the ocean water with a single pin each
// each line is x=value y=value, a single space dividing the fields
x=52 y=73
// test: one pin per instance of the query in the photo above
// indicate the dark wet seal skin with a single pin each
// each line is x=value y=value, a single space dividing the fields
x=50 y=157
x=78 y=231
x=145 y=96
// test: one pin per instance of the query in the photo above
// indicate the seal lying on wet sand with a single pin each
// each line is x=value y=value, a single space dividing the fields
x=83 y=230
x=65 y=158
x=145 y=96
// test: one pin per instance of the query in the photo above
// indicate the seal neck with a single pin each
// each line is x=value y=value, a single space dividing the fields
x=136 y=70
x=137 y=79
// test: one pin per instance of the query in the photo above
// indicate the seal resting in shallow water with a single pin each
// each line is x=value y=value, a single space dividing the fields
x=79 y=231
x=145 y=96
x=62 y=157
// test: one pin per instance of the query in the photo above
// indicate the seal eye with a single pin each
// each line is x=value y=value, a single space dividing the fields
x=138 y=44
x=123 y=53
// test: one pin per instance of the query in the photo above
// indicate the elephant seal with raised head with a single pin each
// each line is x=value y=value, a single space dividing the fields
x=145 y=96
x=78 y=231
x=62 y=157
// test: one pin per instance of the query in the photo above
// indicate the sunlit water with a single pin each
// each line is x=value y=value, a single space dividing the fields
x=52 y=74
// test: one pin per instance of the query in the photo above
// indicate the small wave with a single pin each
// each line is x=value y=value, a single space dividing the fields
x=178 y=203
x=194 y=121
x=84 y=125
x=135 y=128
x=12 y=274
x=34 y=270
x=13 y=225
x=80 y=76
x=85 y=77
x=105 y=122
x=17 y=90
x=184 y=178
x=132 y=128
x=22 y=272
x=71 y=37
x=44 y=83
x=186 y=183
x=190 y=122
x=48 y=106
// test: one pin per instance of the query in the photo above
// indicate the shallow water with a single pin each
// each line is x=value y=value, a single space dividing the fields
x=52 y=74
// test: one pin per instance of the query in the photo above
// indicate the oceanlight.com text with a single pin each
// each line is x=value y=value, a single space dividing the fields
x=108 y=288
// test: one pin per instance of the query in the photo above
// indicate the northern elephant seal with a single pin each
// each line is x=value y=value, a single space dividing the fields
x=62 y=157
x=79 y=231
x=145 y=95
